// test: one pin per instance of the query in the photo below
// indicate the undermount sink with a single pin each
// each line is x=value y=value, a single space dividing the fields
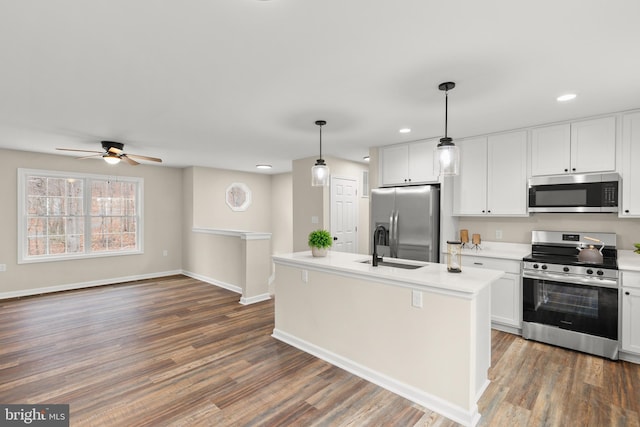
x=394 y=264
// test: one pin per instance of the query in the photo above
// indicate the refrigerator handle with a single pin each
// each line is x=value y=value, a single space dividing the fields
x=394 y=243
x=390 y=236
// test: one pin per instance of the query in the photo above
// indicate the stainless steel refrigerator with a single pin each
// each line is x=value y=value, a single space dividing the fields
x=411 y=220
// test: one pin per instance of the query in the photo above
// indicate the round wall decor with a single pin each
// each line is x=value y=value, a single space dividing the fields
x=238 y=196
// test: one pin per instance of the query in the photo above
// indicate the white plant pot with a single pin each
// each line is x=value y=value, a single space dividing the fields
x=319 y=252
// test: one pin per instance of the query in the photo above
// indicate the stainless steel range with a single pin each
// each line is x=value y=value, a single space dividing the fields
x=570 y=291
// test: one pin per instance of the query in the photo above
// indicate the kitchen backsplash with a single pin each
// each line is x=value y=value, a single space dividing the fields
x=518 y=230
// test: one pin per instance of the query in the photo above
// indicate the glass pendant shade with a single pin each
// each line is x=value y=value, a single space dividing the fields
x=320 y=171
x=447 y=158
x=320 y=174
x=447 y=155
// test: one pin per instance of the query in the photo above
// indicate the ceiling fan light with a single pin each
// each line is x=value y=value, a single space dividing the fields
x=112 y=159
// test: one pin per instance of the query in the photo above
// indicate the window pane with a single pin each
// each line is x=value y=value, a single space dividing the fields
x=36 y=186
x=36 y=227
x=37 y=246
x=57 y=214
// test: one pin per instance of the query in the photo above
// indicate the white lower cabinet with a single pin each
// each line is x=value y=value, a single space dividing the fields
x=505 y=292
x=631 y=312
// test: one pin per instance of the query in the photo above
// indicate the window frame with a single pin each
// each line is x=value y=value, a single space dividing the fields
x=87 y=179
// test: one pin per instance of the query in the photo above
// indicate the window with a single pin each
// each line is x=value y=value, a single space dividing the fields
x=63 y=215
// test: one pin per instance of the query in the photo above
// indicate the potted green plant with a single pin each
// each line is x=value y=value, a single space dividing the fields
x=320 y=241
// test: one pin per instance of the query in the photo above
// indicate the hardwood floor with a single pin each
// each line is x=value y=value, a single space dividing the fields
x=176 y=351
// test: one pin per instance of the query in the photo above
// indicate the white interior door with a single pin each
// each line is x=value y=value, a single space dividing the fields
x=344 y=214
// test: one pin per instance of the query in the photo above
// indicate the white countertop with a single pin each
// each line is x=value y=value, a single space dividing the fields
x=628 y=260
x=430 y=276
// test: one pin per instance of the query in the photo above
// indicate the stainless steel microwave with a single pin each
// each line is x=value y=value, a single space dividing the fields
x=574 y=193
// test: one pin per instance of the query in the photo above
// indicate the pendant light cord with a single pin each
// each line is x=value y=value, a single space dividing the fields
x=320 y=142
x=446 y=111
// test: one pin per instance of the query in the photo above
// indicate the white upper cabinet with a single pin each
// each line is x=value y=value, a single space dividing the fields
x=493 y=176
x=408 y=163
x=579 y=147
x=507 y=174
x=470 y=186
x=551 y=150
x=630 y=170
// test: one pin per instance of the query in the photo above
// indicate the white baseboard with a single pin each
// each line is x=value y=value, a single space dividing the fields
x=434 y=403
x=81 y=285
x=212 y=281
x=629 y=357
x=506 y=328
x=254 y=299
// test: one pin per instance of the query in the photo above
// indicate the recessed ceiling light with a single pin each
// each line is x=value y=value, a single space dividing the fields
x=263 y=166
x=404 y=130
x=566 y=97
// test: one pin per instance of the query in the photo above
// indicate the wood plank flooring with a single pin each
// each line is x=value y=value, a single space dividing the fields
x=176 y=351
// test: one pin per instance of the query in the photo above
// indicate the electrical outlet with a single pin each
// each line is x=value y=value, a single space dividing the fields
x=165 y=253
x=416 y=299
x=498 y=234
x=305 y=276
x=3 y=267
x=315 y=220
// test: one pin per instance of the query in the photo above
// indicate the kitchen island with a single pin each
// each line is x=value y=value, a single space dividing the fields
x=422 y=333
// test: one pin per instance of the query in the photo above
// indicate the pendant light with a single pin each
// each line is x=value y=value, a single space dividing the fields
x=320 y=171
x=447 y=155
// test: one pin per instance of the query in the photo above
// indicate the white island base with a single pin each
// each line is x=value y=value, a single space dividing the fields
x=424 y=334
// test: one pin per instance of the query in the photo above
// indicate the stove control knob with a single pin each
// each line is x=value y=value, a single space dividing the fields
x=535 y=265
x=565 y=269
x=589 y=271
x=600 y=272
x=544 y=266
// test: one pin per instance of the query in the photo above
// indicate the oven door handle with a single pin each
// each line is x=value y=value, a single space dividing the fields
x=603 y=283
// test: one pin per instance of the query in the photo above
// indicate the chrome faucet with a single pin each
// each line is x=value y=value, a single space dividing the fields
x=374 y=261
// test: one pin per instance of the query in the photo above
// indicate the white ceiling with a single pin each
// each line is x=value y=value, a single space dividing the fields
x=233 y=83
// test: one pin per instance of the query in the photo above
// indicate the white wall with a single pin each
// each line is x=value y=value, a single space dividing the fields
x=162 y=226
x=210 y=208
x=518 y=230
x=315 y=201
x=282 y=213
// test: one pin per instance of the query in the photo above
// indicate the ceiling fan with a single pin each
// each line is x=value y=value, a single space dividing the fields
x=113 y=153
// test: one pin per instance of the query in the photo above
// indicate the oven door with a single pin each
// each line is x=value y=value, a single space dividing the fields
x=577 y=307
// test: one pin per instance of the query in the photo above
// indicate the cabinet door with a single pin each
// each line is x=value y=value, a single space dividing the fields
x=395 y=164
x=505 y=292
x=505 y=300
x=631 y=320
x=507 y=174
x=470 y=186
x=630 y=169
x=551 y=150
x=593 y=145
x=421 y=161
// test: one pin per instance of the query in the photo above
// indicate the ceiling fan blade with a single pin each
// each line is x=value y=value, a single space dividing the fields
x=82 y=151
x=128 y=160
x=151 y=159
x=89 y=157
x=115 y=150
